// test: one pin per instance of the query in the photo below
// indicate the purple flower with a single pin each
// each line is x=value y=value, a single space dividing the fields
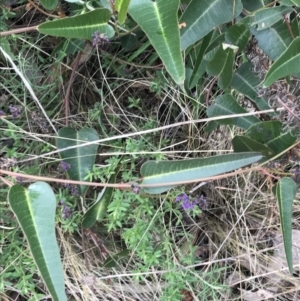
x=72 y=188
x=135 y=189
x=100 y=39
x=188 y=204
x=2 y=113
x=14 y=111
x=201 y=202
x=65 y=166
x=67 y=212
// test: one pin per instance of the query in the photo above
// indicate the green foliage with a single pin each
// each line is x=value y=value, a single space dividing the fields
x=78 y=158
x=191 y=170
x=35 y=211
x=202 y=62
x=285 y=191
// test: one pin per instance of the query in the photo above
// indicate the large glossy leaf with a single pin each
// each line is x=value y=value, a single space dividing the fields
x=285 y=191
x=246 y=144
x=122 y=7
x=227 y=105
x=203 y=16
x=35 y=210
x=267 y=17
x=271 y=134
x=98 y=210
x=245 y=82
x=288 y=63
x=221 y=66
x=277 y=34
x=80 y=27
x=170 y=172
x=160 y=23
x=238 y=35
x=81 y=159
x=49 y=4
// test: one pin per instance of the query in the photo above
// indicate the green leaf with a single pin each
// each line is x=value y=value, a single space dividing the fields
x=112 y=261
x=35 y=210
x=80 y=27
x=201 y=17
x=296 y=2
x=227 y=105
x=285 y=191
x=245 y=82
x=238 y=35
x=267 y=17
x=202 y=51
x=122 y=7
x=80 y=159
x=49 y=4
x=252 y=5
x=277 y=34
x=160 y=23
x=246 y=144
x=222 y=65
x=170 y=172
x=98 y=210
x=272 y=134
x=288 y=63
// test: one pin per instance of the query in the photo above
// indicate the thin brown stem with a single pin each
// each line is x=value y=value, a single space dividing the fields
x=67 y=97
x=40 y=10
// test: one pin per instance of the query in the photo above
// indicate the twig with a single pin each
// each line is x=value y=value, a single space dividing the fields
x=40 y=10
x=66 y=99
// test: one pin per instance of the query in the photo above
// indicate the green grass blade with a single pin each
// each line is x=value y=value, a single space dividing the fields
x=35 y=210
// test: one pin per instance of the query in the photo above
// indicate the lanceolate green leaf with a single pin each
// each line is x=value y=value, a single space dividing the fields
x=246 y=82
x=81 y=159
x=246 y=144
x=49 y=4
x=267 y=17
x=35 y=210
x=285 y=191
x=80 y=27
x=122 y=7
x=227 y=105
x=238 y=35
x=271 y=134
x=202 y=16
x=277 y=34
x=221 y=66
x=204 y=45
x=170 y=172
x=287 y=64
x=160 y=23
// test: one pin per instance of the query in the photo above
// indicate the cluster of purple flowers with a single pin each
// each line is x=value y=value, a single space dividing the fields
x=100 y=39
x=136 y=189
x=188 y=204
x=67 y=212
x=65 y=166
x=72 y=188
x=15 y=112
